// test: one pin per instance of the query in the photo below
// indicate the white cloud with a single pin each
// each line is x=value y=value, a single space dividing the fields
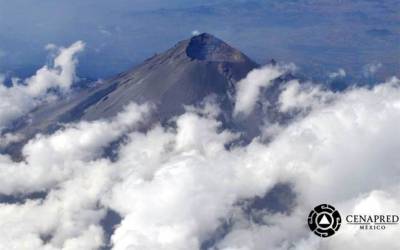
x=296 y=96
x=60 y=75
x=339 y=74
x=195 y=33
x=248 y=89
x=25 y=95
x=67 y=165
x=48 y=158
x=51 y=46
x=371 y=69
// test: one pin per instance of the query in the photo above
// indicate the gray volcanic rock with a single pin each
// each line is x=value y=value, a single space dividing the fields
x=183 y=75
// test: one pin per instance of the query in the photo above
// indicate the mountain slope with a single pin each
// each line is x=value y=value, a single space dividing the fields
x=183 y=75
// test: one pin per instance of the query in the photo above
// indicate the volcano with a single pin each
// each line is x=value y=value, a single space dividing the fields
x=183 y=75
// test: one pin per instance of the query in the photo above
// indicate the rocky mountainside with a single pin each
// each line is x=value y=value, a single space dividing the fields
x=183 y=75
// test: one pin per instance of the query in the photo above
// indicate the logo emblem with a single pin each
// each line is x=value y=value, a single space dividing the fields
x=324 y=220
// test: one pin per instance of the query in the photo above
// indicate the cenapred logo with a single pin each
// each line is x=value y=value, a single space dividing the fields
x=324 y=220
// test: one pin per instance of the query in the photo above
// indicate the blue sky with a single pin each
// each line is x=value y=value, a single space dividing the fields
x=319 y=36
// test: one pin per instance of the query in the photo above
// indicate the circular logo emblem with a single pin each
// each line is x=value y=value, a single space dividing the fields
x=324 y=220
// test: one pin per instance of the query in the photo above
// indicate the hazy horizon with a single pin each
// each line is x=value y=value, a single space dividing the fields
x=321 y=37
